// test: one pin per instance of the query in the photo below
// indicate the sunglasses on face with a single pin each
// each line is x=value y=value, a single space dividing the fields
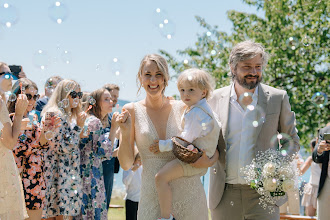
x=7 y=75
x=74 y=94
x=35 y=97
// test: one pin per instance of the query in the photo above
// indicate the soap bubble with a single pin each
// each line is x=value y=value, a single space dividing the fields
x=8 y=15
x=58 y=12
x=320 y=99
x=41 y=59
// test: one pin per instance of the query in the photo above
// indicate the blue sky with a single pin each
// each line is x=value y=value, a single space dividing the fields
x=95 y=32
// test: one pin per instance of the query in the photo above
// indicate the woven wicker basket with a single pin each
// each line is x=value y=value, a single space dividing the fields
x=182 y=153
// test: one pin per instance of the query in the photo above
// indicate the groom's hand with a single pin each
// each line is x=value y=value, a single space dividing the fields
x=154 y=148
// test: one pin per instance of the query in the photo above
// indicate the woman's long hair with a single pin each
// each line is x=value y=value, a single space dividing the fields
x=96 y=110
x=16 y=89
x=62 y=91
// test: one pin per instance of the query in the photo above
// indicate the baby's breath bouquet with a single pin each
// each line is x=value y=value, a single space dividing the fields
x=272 y=174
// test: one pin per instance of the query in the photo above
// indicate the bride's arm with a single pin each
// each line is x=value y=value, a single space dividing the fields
x=127 y=138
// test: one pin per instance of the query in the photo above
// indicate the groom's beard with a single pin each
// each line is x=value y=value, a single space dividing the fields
x=243 y=82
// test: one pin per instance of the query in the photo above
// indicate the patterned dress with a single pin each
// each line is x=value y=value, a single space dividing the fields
x=62 y=174
x=93 y=150
x=30 y=162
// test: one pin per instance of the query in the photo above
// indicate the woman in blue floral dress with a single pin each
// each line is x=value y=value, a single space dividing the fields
x=62 y=162
x=96 y=147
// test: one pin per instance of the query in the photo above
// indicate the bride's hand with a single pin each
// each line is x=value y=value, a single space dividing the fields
x=154 y=148
x=124 y=120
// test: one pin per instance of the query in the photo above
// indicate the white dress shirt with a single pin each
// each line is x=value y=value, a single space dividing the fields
x=197 y=123
x=132 y=182
x=241 y=138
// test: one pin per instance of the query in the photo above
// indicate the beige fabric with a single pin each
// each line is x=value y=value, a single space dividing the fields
x=207 y=143
x=291 y=206
x=189 y=200
x=240 y=202
x=279 y=118
x=12 y=204
x=323 y=201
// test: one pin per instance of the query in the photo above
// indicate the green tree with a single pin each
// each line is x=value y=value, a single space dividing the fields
x=295 y=34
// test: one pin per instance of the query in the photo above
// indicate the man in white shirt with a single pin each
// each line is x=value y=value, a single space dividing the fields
x=251 y=113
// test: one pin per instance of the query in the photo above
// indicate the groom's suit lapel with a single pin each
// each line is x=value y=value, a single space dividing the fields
x=263 y=100
x=224 y=111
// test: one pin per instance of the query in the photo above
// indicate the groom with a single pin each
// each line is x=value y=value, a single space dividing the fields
x=229 y=195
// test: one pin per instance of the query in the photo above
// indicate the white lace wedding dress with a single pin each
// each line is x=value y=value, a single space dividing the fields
x=189 y=200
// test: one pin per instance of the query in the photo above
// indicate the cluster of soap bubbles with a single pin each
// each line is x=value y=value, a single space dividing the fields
x=41 y=59
x=163 y=23
x=255 y=114
x=294 y=43
x=9 y=16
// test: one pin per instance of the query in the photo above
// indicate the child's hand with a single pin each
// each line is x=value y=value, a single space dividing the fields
x=154 y=148
x=124 y=120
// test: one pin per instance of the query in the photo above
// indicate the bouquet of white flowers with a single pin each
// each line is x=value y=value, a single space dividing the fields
x=272 y=175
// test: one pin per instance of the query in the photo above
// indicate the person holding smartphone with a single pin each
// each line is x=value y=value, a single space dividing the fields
x=321 y=155
x=30 y=148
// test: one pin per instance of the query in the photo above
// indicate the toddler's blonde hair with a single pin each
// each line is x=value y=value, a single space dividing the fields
x=197 y=78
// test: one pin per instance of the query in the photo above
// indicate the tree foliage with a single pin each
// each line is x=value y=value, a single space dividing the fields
x=295 y=34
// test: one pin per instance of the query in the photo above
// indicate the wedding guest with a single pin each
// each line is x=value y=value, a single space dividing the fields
x=12 y=204
x=50 y=86
x=110 y=167
x=309 y=200
x=62 y=161
x=95 y=147
x=29 y=149
x=321 y=155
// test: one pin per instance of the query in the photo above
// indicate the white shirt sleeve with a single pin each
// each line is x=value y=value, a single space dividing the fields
x=127 y=177
x=197 y=124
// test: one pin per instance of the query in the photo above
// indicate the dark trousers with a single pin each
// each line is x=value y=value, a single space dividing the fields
x=108 y=171
x=131 y=209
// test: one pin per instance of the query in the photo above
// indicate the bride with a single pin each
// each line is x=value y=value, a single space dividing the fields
x=159 y=118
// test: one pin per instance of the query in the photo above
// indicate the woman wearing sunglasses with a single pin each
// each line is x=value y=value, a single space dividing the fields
x=96 y=147
x=62 y=162
x=30 y=149
x=12 y=204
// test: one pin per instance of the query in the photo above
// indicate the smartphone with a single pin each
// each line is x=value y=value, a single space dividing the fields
x=49 y=121
x=326 y=137
x=15 y=70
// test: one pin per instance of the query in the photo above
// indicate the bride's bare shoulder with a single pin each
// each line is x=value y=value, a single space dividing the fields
x=178 y=104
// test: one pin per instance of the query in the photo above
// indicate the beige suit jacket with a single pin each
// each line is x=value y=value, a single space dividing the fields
x=279 y=119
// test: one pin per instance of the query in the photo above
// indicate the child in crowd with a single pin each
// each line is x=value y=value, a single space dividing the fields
x=132 y=182
x=62 y=161
x=200 y=127
x=95 y=147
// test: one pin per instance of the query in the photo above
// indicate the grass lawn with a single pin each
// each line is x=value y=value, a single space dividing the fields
x=119 y=213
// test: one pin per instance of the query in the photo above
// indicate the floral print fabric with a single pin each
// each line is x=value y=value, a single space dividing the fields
x=93 y=150
x=29 y=159
x=62 y=175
